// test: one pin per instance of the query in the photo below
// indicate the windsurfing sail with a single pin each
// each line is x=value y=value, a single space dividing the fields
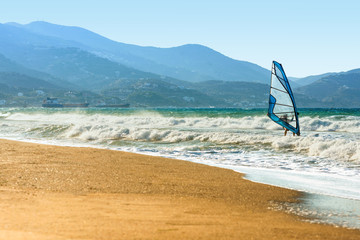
x=282 y=108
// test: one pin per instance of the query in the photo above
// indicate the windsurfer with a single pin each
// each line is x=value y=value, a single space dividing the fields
x=282 y=108
x=286 y=119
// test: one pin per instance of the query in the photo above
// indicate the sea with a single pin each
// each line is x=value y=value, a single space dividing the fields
x=323 y=163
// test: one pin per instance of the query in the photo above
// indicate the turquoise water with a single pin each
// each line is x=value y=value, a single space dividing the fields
x=190 y=112
x=324 y=160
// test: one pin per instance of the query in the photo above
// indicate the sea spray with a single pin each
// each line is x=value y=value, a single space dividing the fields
x=324 y=135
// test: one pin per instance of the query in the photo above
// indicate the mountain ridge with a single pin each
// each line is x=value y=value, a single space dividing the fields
x=151 y=59
x=336 y=90
x=183 y=76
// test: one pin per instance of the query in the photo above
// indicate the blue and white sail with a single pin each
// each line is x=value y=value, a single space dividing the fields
x=282 y=108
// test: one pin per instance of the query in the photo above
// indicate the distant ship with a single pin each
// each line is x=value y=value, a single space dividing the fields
x=127 y=105
x=54 y=103
x=75 y=105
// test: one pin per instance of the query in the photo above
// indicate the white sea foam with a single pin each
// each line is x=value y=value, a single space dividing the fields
x=322 y=137
x=317 y=124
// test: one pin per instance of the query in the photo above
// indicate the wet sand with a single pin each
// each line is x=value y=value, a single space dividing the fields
x=51 y=192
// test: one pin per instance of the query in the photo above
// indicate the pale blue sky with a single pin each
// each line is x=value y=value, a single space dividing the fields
x=308 y=37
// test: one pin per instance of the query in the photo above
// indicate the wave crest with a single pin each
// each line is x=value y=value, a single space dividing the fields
x=329 y=137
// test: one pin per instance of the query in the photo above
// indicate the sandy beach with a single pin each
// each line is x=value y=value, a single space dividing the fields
x=51 y=192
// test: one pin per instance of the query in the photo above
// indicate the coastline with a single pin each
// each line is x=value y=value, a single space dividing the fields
x=53 y=192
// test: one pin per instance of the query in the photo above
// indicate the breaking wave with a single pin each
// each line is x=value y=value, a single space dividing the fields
x=332 y=137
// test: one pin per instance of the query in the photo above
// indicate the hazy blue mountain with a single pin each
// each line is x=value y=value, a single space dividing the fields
x=21 y=81
x=310 y=79
x=19 y=90
x=9 y=66
x=206 y=64
x=45 y=56
x=236 y=94
x=6 y=65
x=247 y=95
x=15 y=35
x=339 y=90
x=294 y=84
x=189 y=62
x=73 y=34
x=54 y=56
x=15 y=46
x=152 y=92
x=126 y=54
x=354 y=71
x=22 y=90
x=78 y=67
x=157 y=93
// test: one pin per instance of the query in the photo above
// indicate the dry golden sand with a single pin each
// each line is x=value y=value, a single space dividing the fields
x=50 y=192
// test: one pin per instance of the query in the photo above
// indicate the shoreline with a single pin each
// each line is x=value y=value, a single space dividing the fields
x=54 y=192
x=248 y=171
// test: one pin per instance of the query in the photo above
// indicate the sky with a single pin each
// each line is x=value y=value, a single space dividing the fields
x=308 y=37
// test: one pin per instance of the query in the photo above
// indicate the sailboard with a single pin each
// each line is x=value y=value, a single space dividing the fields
x=282 y=109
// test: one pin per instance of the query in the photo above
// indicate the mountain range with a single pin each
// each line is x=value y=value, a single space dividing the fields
x=65 y=61
x=190 y=62
x=335 y=90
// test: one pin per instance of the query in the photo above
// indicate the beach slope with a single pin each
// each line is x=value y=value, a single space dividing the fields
x=51 y=192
